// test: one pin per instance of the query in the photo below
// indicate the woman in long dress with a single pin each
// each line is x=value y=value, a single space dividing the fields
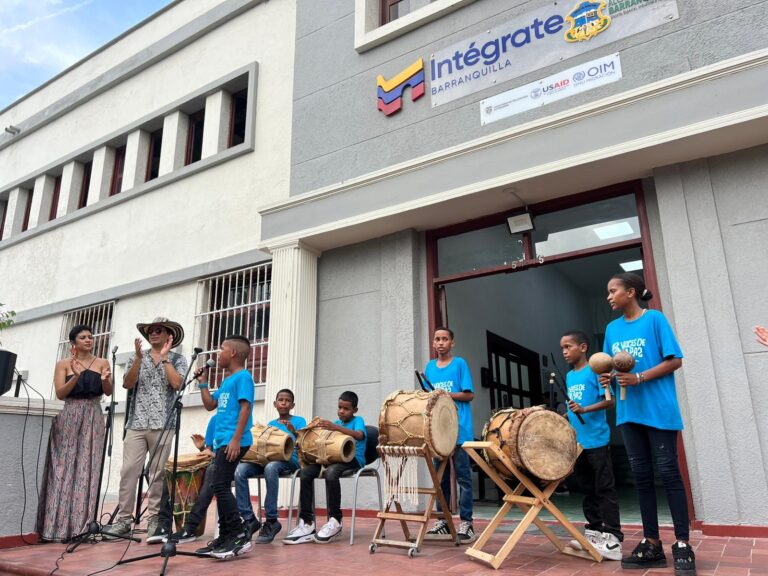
x=71 y=482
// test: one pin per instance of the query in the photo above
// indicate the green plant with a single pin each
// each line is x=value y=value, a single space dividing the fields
x=6 y=317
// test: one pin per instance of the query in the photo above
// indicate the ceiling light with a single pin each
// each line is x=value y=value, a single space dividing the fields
x=632 y=266
x=613 y=230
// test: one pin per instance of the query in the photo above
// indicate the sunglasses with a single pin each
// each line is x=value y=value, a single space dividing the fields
x=155 y=330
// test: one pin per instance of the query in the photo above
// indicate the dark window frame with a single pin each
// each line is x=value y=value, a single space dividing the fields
x=155 y=143
x=384 y=7
x=196 y=120
x=27 y=212
x=241 y=96
x=118 y=170
x=82 y=200
x=55 y=199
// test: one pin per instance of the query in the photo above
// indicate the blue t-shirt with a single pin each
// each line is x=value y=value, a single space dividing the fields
x=298 y=423
x=236 y=387
x=584 y=389
x=357 y=423
x=454 y=378
x=210 y=431
x=650 y=340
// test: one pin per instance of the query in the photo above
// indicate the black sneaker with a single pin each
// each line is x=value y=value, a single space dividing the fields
x=684 y=558
x=234 y=546
x=211 y=546
x=269 y=530
x=645 y=556
x=439 y=530
x=253 y=525
x=466 y=533
x=182 y=536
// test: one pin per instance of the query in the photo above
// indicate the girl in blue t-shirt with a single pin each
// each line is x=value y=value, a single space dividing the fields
x=649 y=418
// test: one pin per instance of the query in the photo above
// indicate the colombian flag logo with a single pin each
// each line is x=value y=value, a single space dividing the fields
x=390 y=92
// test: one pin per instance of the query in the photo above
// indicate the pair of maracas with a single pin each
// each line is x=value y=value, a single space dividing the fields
x=602 y=363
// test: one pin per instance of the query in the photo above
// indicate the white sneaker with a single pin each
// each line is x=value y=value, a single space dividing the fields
x=609 y=546
x=592 y=537
x=330 y=531
x=301 y=534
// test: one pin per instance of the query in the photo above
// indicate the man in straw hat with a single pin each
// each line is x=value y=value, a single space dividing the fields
x=154 y=374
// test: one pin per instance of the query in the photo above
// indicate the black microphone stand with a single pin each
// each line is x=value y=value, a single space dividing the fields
x=94 y=526
x=169 y=547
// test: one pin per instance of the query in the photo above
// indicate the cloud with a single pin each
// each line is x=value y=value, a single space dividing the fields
x=43 y=17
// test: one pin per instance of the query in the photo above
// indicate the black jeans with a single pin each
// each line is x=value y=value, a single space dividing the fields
x=332 y=489
x=204 y=498
x=230 y=522
x=594 y=476
x=644 y=446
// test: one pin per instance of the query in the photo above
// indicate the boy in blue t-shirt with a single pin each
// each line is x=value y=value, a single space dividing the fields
x=284 y=403
x=593 y=471
x=350 y=425
x=451 y=374
x=232 y=438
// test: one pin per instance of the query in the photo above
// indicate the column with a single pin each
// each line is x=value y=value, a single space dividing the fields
x=218 y=110
x=101 y=174
x=293 y=323
x=14 y=213
x=174 y=147
x=71 y=183
x=136 y=158
x=41 y=200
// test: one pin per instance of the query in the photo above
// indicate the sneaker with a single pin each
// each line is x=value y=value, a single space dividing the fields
x=590 y=535
x=684 y=558
x=181 y=537
x=233 y=546
x=329 y=532
x=466 y=533
x=608 y=546
x=645 y=556
x=269 y=530
x=301 y=534
x=211 y=546
x=253 y=525
x=439 y=528
x=155 y=532
x=120 y=529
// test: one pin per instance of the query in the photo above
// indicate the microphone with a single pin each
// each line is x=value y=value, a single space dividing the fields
x=197 y=351
x=204 y=368
x=114 y=350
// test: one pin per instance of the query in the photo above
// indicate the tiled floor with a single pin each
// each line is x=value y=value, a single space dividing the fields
x=534 y=555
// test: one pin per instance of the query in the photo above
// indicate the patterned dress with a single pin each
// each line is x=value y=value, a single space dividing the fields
x=70 y=487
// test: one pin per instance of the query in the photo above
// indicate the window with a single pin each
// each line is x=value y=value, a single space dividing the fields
x=237 y=118
x=236 y=303
x=153 y=162
x=394 y=9
x=83 y=200
x=117 y=172
x=55 y=198
x=27 y=211
x=99 y=318
x=195 y=137
x=3 y=212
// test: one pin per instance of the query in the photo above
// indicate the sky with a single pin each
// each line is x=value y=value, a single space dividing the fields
x=40 y=38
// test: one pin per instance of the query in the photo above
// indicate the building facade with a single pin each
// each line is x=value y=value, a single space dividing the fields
x=633 y=133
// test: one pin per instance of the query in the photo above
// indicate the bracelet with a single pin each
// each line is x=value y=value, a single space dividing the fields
x=640 y=377
x=202 y=384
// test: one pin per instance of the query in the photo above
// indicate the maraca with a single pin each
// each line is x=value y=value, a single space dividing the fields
x=623 y=361
x=601 y=363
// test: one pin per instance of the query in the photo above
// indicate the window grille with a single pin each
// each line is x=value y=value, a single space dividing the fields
x=99 y=318
x=235 y=303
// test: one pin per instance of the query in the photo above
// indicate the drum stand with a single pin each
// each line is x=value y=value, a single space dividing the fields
x=531 y=506
x=413 y=543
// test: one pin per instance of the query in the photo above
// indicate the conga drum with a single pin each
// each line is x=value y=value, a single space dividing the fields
x=536 y=440
x=190 y=474
x=415 y=418
x=324 y=447
x=270 y=444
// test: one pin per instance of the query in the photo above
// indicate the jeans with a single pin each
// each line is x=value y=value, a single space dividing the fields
x=271 y=473
x=594 y=475
x=229 y=518
x=463 y=479
x=644 y=446
x=204 y=498
x=332 y=489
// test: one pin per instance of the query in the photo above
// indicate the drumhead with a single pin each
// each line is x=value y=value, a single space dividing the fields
x=189 y=461
x=547 y=445
x=444 y=425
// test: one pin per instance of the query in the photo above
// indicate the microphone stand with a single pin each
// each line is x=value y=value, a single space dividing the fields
x=94 y=526
x=169 y=547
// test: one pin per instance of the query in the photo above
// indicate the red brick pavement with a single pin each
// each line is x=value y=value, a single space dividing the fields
x=534 y=556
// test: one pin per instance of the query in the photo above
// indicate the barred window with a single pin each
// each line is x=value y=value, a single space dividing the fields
x=99 y=318
x=235 y=303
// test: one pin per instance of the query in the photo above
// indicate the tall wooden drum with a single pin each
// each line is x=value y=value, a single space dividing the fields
x=535 y=439
x=415 y=418
x=190 y=475
x=270 y=444
x=320 y=446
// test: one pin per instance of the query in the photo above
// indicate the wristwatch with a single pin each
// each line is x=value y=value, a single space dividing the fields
x=166 y=361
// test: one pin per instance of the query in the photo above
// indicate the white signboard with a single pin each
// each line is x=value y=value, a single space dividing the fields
x=551 y=89
x=554 y=33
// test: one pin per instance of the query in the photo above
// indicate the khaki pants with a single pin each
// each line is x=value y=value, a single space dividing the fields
x=137 y=444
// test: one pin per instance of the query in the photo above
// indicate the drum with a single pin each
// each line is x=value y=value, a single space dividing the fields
x=416 y=418
x=320 y=446
x=190 y=474
x=535 y=439
x=270 y=444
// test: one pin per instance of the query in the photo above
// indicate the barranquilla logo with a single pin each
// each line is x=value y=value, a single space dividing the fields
x=390 y=92
x=587 y=21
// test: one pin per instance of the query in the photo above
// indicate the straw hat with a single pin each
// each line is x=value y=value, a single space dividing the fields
x=174 y=328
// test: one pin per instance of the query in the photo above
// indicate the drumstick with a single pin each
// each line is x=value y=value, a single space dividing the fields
x=427 y=382
x=562 y=378
x=421 y=380
x=553 y=380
